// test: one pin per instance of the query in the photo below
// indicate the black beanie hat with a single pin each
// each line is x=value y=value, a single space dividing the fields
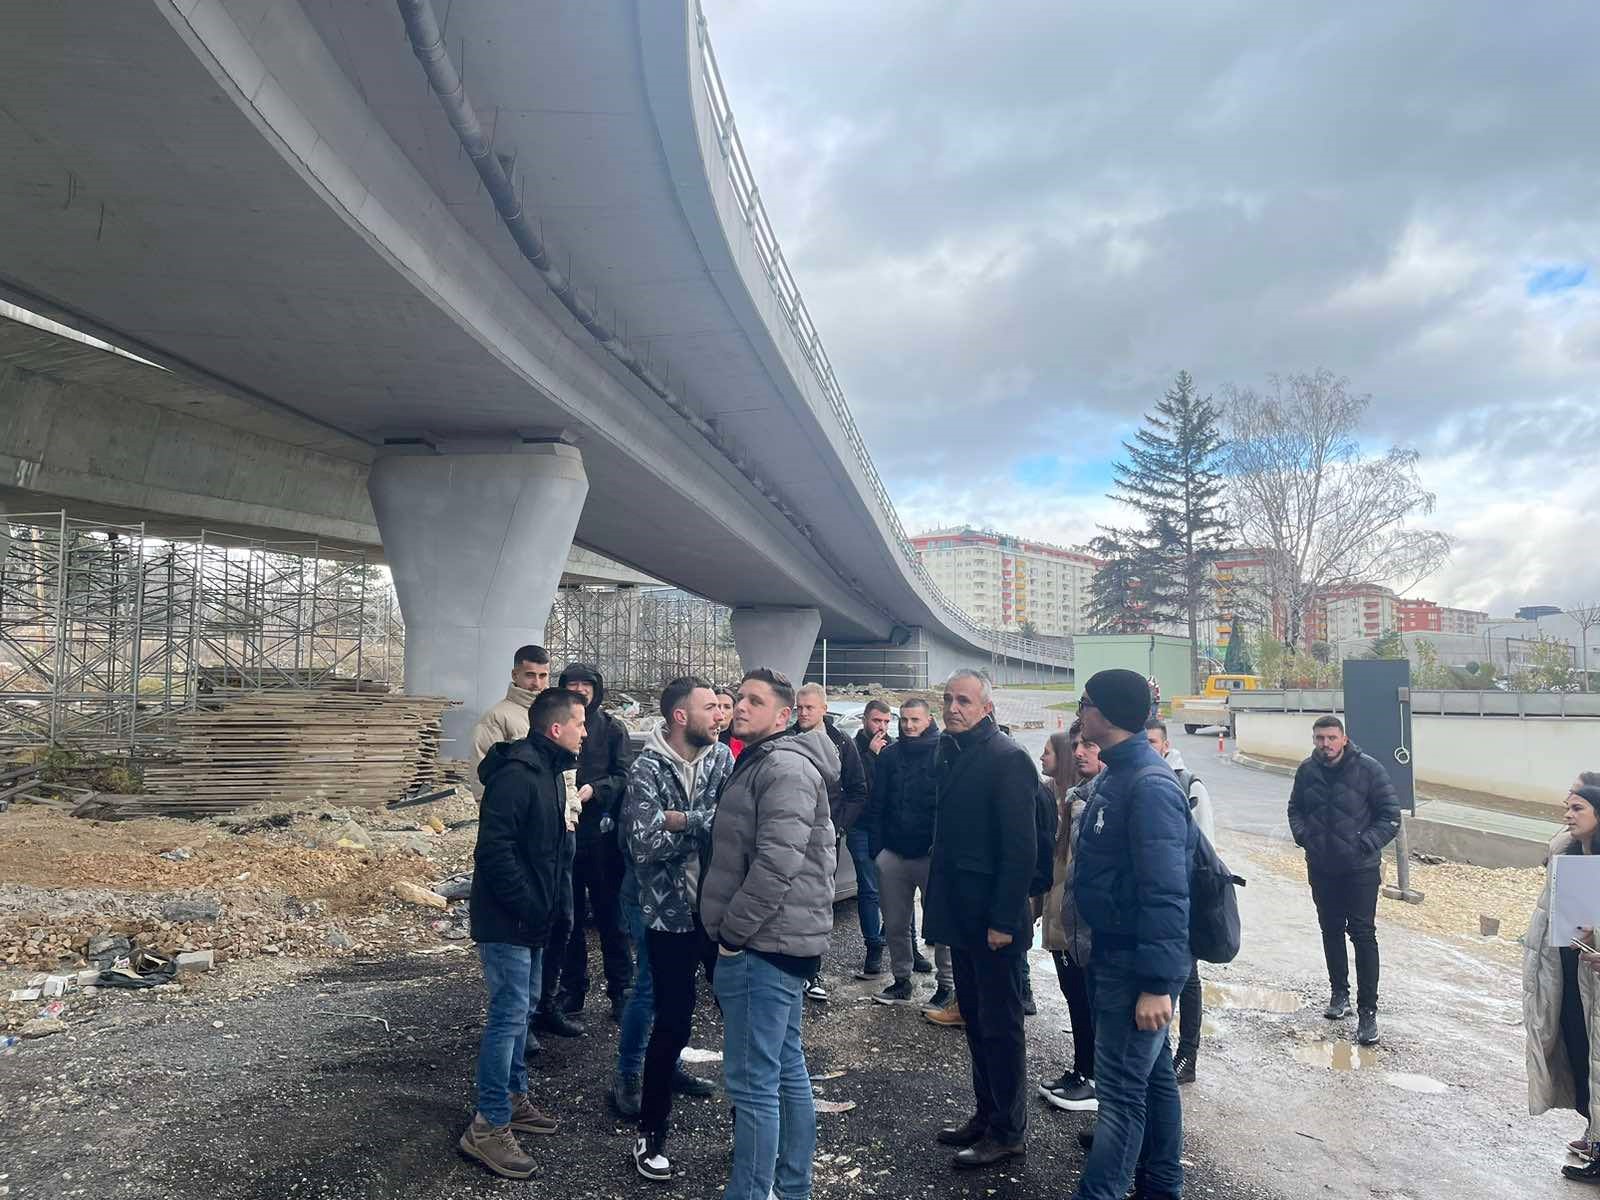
x=1123 y=696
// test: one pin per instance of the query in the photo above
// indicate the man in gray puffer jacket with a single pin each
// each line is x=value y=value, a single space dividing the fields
x=766 y=899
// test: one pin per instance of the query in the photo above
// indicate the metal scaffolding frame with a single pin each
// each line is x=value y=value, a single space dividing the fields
x=642 y=637
x=105 y=631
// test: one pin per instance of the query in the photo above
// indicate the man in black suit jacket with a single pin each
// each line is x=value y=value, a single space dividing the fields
x=983 y=859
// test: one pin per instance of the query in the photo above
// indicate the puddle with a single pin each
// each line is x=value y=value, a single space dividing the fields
x=1259 y=999
x=1336 y=1056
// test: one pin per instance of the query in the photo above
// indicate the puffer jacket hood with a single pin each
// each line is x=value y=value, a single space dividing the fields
x=768 y=884
x=585 y=673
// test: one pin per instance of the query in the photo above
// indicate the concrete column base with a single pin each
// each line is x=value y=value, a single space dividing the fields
x=780 y=638
x=476 y=542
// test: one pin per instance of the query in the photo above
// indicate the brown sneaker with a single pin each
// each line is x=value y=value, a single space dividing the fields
x=525 y=1118
x=496 y=1148
x=949 y=1016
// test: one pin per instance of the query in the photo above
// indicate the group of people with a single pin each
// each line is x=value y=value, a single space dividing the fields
x=713 y=850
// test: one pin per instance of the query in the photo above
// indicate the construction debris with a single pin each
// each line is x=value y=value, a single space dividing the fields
x=411 y=892
x=354 y=747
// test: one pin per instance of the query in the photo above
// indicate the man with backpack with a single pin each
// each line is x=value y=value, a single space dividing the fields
x=1190 y=1012
x=1134 y=852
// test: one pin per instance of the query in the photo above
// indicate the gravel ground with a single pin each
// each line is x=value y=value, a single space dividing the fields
x=286 y=1099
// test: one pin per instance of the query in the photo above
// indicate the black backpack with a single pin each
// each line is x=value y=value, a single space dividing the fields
x=1214 y=930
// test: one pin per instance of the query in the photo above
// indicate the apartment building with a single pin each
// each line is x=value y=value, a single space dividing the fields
x=1005 y=582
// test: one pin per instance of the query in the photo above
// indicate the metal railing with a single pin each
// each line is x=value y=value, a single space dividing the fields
x=787 y=291
x=1425 y=702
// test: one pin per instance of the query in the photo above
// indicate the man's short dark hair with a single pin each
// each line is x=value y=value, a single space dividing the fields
x=876 y=706
x=1328 y=722
x=1156 y=723
x=551 y=707
x=676 y=692
x=533 y=654
x=776 y=680
x=723 y=689
x=915 y=702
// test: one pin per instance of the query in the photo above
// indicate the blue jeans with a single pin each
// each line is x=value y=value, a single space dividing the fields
x=1139 y=1135
x=764 y=1070
x=640 y=1011
x=512 y=975
x=867 y=910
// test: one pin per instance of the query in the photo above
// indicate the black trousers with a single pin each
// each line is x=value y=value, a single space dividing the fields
x=550 y=966
x=596 y=890
x=1190 y=1013
x=989 y=991
x=1074 y=981
x=1575 y=1030
x=1347 y=903
x=673 y=958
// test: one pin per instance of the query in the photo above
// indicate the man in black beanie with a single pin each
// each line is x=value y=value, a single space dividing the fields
x=1132 y=888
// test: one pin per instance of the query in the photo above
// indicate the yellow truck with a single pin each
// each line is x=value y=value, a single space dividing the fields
x=1210 y=707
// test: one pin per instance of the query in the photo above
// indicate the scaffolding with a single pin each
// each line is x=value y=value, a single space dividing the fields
x=642 y=637
x=106 y=631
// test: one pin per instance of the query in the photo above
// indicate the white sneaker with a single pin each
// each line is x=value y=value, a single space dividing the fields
x=815 y=990
x=650 y=1158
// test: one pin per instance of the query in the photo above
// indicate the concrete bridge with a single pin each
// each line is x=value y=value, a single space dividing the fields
x=506 y=270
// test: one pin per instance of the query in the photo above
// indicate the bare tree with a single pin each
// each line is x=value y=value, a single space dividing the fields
x=1586 y=617
x=1324 y=517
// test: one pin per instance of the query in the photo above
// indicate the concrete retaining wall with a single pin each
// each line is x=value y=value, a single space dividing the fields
x=1530 y=758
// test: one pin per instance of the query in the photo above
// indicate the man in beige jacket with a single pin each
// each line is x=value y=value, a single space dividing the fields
x=507 y=721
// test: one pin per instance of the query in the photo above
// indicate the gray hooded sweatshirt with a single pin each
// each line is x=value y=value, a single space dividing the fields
x=768 y=886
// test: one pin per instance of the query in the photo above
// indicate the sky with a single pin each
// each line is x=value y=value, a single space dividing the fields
x=1015 y=222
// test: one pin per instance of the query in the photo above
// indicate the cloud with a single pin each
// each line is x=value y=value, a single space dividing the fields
x=1014 y=224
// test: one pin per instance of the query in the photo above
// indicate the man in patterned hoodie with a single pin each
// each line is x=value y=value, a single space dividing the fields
x=666 y=824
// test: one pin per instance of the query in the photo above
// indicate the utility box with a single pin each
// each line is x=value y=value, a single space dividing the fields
x=1151 y=654
x=1377 y=716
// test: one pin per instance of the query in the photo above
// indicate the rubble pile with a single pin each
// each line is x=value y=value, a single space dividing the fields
x=83 y=896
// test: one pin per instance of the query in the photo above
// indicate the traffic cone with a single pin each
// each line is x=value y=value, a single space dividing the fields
x=1059 y=724
x=1221 y=747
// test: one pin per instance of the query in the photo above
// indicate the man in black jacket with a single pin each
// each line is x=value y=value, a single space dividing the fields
x=982 y=861
x=1343 y=811
x=519 y=871
x=596 y=869
x=848 y=798
x=899 y=830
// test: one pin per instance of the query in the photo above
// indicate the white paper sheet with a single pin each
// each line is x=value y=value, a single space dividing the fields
x=1574 y=896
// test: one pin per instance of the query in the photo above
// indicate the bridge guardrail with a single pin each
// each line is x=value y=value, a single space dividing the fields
x=805 y=331
x=1426 y=702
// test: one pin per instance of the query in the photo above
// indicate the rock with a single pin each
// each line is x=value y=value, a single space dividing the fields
x=43 y=1027
x=107 y=948
x=197 y=960
x=349 y=835
x=435 y=824
x=339 y=939
x=413 y=894
x=457 y=887
x=191 y=908
x=179 y=854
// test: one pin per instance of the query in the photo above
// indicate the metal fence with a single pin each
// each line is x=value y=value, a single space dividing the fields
x=1489 y=702
x=642 y=637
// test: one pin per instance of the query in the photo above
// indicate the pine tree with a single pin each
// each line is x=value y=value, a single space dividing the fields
x=1237 y=660
x=1389 y=644
x=1173 y=478
x=1116 y=597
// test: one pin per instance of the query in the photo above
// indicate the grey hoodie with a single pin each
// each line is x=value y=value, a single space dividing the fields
x=1199 y=796
x=768 y=886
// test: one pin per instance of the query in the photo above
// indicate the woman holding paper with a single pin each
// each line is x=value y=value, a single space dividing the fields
x=1560 y=1003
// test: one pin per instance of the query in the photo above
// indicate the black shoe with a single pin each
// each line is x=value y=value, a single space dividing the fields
x=921 y=964
x=1183 y=1066
x=1367 y=1027
x=873 y=967
x=988 y=1153
x=943 y=997
x=1589 y=1172
x=1079 y=1097
x=1338 y=1006
x=650 y=1157
x=1029 y=1008
x=627 y=1094
x=1086 y=1138
x=969 y=1133
x=531 y=1047
x=1061 y=1083
x=571 y=1005
x=898 y=992
x=686 y=1084
x=553 y=1021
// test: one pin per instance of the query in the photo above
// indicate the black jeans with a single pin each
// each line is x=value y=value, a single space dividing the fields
x=550 y=968
x=989 y=991
x=1190 y=1014
x=1074 y=981
x=597 y=879
x=1348 y=903
x=673 y=958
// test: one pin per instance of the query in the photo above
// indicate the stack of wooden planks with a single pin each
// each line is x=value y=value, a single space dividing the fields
x=323 y=745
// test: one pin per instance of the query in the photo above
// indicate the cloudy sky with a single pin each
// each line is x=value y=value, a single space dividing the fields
x=1014 y=222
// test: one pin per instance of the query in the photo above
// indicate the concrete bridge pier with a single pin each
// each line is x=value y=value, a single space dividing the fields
x=780 y=638
x=476 y=538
